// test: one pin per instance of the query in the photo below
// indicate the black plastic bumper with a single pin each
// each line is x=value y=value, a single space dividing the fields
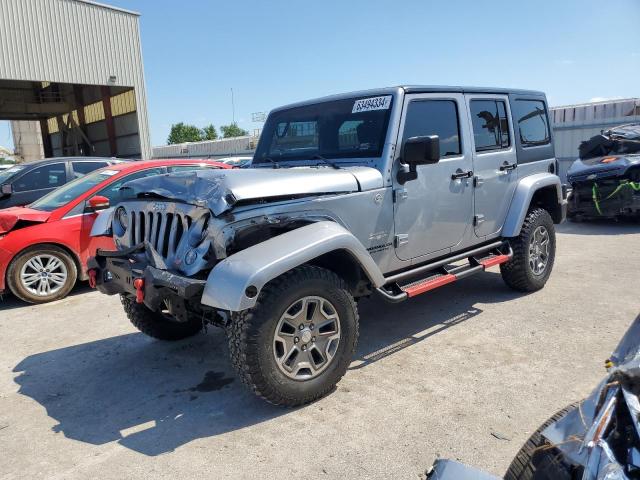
x=116 y=272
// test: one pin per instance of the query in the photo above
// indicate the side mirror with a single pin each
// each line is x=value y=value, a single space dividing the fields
x=421 y=150
x=98 y=202
x=416 y=151
x=6 y=190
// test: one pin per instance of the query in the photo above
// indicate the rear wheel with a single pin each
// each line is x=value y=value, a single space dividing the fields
x=42 y=273
x=297 y=342
x=163 y=324
x=534 y=252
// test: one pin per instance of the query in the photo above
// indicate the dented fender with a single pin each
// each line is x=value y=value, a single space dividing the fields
x=227 y=284
x=102 y=224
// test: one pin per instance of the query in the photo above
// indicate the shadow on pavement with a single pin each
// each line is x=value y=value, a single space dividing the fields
x=153 y=397
x=9 y=302
x=599 y=226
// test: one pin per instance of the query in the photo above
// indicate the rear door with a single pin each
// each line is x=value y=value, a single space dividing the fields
x=433 y=212
x=494 y=160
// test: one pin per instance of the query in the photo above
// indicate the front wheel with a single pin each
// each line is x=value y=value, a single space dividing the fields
x=170 y=323
x=534 y=252
x=297 y=342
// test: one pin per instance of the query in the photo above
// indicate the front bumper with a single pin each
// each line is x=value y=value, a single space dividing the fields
x=117 y=272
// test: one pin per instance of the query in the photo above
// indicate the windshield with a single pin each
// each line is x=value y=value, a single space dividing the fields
x=72 y=190
x=349 y=128
x=9 y=172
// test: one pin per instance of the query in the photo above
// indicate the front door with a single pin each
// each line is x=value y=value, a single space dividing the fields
x=494 y=160
x=433 y=212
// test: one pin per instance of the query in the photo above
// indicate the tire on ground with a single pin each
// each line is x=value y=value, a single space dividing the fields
x=538 y=459
x=251 y=335
x=517 y=272
x=156 y=324
x=13 y=273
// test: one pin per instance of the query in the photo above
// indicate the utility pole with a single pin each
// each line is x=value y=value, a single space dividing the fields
x=233 y=108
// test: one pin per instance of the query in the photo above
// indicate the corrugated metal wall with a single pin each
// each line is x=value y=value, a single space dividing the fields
x=226 y=147
x=74 y=41
x=573 y=124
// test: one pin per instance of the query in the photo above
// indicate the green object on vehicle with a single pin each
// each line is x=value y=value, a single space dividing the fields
x=623 y=184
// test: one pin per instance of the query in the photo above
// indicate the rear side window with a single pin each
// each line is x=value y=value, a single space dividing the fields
x=47 y=176
x=82 y=168
x=490 y=125
x=434 y=117
x=532 y=122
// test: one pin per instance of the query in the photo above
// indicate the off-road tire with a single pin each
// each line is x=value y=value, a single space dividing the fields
x=154 y=324
x=517 y=272
x=251 y=336
x=538 y=459
x=13 y=273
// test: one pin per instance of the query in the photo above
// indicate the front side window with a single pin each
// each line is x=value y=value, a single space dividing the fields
x=434 y=117
x=532 y=122
x=348 y=128
x=113 y=192
x=5 y=175
x=490 y=125
x=47 y=176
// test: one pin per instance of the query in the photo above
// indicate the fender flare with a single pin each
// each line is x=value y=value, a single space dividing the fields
x=227 y=283
x=524 y=192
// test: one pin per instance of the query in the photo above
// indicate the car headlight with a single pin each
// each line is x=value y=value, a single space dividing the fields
x=122 y=217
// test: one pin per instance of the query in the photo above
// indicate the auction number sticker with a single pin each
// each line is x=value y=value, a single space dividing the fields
x=373 y=103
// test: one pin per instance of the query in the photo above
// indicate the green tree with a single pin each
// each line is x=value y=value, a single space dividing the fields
x=232 y=130
x=209 y=132
x=181 y=133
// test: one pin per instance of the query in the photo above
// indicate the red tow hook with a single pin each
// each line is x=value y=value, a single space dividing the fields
x=92 y=278
x=138 y=283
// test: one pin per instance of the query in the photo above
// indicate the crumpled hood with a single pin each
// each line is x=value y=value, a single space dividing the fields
x=601 y=167
x=9 y=217
x=220 y=190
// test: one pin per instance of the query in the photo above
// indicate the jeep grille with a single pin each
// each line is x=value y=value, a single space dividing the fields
x=163 y=230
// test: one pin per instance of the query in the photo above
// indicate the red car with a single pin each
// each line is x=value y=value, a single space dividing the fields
x=44 y=246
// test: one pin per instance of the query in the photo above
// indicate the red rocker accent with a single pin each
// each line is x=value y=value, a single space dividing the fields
x=92 y=278
x=427 y=285
x=497 y=260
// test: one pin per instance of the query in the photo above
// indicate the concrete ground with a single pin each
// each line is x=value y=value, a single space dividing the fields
x=465 y=372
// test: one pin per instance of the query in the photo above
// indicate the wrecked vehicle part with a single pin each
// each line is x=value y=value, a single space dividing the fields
x=600 y=437
x=605 y=180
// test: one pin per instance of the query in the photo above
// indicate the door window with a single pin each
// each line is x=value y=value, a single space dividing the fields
x=490 y=125
x=533 y=124
x=434 y=117
x=189 y=168
x=47 y=176
x=82 y=168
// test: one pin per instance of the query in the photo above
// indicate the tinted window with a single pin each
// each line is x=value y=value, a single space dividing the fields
x=82 y=168
x=490 y=124
x=188 y=168
x=434 y=117
x=113 y=192
x=6 y=175
x=533 y=125
x=47 y=176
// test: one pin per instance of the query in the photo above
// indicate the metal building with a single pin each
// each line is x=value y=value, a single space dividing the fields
x=75 y=67
x=225 y=147
x=573 y=124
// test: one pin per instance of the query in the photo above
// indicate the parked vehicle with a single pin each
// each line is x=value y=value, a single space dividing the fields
x=44 y=247
x=26 y=182
x=598 y=438
x=605 y=180
x=394 y=191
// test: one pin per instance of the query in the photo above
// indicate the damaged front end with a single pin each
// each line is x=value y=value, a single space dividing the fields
x=597 y=439
x=605 y=180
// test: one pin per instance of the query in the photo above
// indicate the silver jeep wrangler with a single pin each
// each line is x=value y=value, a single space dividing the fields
x=392 y=192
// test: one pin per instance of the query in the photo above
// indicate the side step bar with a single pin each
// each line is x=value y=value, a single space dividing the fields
x=439 y=274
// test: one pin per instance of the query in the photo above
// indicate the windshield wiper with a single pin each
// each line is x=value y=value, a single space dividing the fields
x=269 y=159
x=328 y=162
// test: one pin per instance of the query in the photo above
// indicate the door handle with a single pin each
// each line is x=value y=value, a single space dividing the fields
x=461 y=174
x=506 y=166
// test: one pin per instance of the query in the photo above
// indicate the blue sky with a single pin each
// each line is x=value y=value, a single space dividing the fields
x=275 y=52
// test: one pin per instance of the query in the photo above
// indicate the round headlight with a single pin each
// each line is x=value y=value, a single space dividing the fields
x=122 y=218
